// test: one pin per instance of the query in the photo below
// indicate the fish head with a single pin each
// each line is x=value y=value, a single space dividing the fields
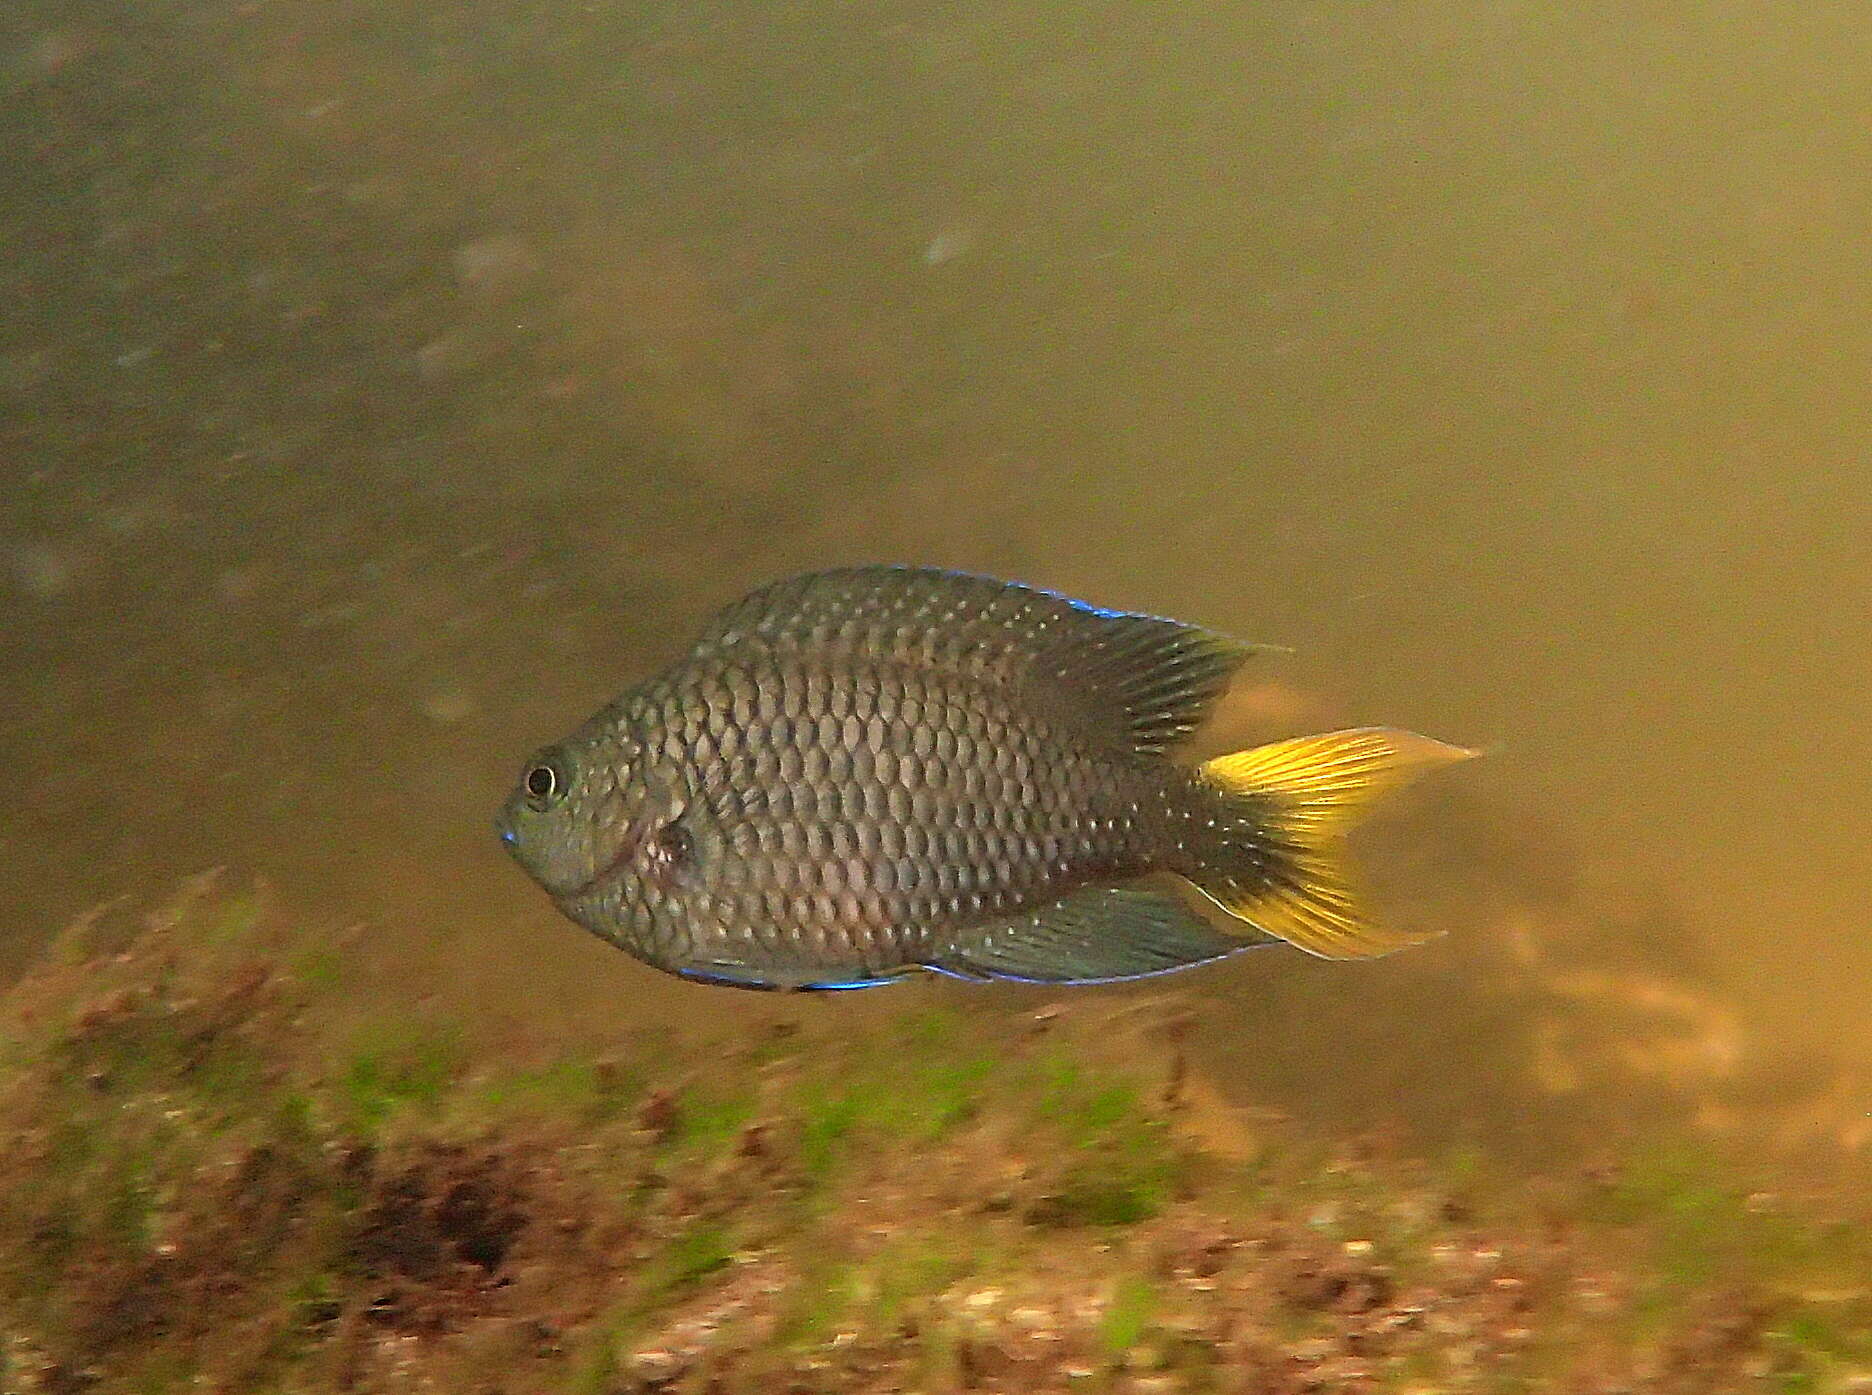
x=597 y=819
x=563 y=815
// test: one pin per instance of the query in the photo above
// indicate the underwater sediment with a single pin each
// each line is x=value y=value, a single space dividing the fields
x=211 y=1186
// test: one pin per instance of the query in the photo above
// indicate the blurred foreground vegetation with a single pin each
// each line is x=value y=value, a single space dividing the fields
x=217 y=1178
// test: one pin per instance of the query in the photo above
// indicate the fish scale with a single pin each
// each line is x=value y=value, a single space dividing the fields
x=990 y=820
x=859 y=773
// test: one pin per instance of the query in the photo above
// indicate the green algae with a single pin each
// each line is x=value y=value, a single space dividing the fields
x=210 y=1194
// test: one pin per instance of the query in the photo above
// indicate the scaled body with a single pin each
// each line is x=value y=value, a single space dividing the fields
x=862 y=772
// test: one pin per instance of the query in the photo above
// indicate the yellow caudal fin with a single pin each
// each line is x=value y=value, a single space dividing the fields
x=1275 y=856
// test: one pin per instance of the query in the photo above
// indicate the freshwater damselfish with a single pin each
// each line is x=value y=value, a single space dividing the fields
x=858 y=774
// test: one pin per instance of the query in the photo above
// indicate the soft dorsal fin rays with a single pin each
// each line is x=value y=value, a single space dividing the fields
x=1143 y=681
x=1151 y=680
x=1277 y=860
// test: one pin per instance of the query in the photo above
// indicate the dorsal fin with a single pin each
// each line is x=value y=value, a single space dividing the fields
x=1146 y=681
x=888 y=608
x=1155 y=679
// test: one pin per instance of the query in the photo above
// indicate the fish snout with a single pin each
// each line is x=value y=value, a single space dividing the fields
x=504 y=827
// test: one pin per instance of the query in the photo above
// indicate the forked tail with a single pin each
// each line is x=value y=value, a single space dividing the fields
x=1275 y=853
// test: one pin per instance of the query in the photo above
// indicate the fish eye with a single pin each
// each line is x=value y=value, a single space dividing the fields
x=544 y=782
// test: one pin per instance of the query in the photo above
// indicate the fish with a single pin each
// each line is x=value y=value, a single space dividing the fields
x=858 y=775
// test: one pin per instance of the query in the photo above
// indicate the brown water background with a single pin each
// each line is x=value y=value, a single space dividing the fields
x=383 y=385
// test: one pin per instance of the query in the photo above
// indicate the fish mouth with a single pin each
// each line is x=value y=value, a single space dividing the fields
x=504 y=828
x=627 y=847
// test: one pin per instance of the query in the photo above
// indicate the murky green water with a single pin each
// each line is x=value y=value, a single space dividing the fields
x=383 y=385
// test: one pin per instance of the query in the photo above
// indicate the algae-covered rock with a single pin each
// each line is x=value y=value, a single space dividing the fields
x=217 y=1180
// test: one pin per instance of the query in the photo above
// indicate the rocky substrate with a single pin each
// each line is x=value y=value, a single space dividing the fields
x=209 y=1187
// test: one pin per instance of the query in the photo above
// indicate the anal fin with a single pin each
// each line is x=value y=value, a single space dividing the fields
x=1097 y=935
x=723 y=973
